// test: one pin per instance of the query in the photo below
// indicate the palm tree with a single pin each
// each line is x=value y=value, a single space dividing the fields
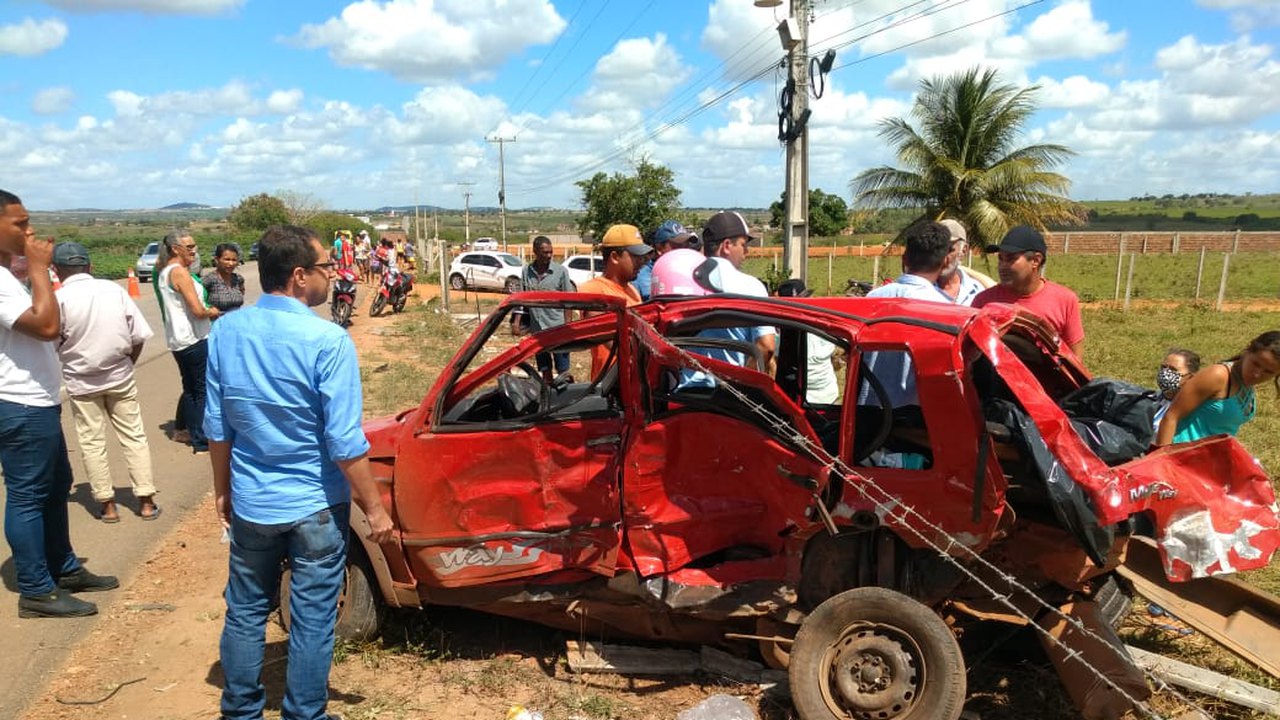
x=963 y=163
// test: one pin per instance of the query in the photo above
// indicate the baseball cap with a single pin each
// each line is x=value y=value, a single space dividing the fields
x=794 y=287
x=672 y=231
x=627 y=237
x=724 y=225
x=1021 y=239
x=957 y=229
x=71 y=254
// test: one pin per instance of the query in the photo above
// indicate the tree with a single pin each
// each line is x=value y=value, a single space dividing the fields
x=963 y=163
x=301 y=206
x=828 y=214
x=257 y=213
x=644 y=199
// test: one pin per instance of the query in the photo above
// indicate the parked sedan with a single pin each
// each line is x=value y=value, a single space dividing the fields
x=582 y=268
x=485 y=271
x=145 y=267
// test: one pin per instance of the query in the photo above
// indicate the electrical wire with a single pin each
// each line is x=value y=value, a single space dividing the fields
x=542 y=64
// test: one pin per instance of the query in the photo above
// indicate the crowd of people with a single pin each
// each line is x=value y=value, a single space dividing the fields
x=273 y=394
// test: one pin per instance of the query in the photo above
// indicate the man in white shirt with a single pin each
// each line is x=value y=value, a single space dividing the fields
x=725 y=236
x=102 y=335
x=33 y=451
x=954 y=279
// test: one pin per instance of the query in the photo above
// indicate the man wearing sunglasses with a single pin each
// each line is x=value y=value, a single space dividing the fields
x=289 y=454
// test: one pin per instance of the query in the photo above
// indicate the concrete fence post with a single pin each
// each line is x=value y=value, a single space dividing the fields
x=1144 y=243
x=1177 y=240
x=1222 y=284
x=875 y=272
x=1200 y=272
x=1066 y=243
x=1235 y=242
x=1119 y=265
x=1128 y=284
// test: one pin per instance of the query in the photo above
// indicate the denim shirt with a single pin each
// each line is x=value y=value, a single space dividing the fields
x=284 y=390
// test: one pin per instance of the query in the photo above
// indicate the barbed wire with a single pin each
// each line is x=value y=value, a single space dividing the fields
x=897 y=510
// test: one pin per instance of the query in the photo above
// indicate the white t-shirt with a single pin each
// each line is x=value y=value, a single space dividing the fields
x=822 y=386
x=29 y=372
x=181 y=330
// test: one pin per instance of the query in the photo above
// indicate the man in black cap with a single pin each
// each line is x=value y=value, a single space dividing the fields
x=725 y=236
x=1022 y=258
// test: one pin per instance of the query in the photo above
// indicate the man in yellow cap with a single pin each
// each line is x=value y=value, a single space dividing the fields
x=624 y=251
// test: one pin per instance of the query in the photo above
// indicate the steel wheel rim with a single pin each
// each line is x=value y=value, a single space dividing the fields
x=872 y=672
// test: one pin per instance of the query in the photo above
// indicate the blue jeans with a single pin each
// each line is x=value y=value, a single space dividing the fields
x=544 y=360
x=191 y=366
x=37 y=481
x=316 y=548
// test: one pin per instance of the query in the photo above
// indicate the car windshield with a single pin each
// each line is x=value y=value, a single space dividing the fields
x=511 y=260
x=152 y=249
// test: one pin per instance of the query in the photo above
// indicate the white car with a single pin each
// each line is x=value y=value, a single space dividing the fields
x=485 y=243
x=582 y=268
x=145 y=267
x=486 y=271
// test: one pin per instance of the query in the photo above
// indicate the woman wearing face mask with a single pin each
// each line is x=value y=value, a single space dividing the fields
x=1220 y=398
x=1179 y=364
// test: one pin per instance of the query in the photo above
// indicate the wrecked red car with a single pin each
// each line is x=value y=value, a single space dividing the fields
x=833 y=538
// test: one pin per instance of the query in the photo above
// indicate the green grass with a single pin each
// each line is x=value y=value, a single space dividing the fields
x=1250 y=276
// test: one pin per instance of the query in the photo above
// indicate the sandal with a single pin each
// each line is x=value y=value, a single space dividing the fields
x=155 y=509
x=108 y=514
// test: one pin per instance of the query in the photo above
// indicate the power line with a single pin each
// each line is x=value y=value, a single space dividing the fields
x=542 y=64
x=574 y=46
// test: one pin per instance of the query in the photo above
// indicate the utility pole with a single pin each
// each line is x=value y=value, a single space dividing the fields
x=502 y=184
x=466 y=211
x=795 y=232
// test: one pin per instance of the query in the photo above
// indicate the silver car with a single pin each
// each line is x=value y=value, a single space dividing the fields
x=146 y=265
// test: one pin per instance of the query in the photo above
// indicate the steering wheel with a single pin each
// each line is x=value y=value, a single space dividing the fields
x=886 y=414
x=544 y=391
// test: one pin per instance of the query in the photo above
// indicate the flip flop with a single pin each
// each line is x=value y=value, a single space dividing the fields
x=109 y=519
x=154 y=514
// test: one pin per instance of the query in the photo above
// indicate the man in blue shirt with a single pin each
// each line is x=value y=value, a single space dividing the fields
x=283 y=420
x=670 y=235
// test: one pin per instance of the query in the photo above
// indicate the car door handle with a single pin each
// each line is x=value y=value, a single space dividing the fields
x=604 y=440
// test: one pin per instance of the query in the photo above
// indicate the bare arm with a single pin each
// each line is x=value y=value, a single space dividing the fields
x=1078 y=349
x=220 y=456
x=365 y=492
x=181 y=280
x=1205 y=385
x=43 y=321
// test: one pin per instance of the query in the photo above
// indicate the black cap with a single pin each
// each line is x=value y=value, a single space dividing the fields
x=1021 y=239
x=70 y=254
x=793 y=288
x=724 y=225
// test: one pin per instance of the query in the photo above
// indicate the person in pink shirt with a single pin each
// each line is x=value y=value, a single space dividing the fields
x=1022 y=258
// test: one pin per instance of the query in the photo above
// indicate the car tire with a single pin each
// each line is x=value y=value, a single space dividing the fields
x=512 y=285
x=457 y=282
x=875 y=653
x=359 y=611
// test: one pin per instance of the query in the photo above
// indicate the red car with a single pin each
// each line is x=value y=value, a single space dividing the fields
x=680 y=498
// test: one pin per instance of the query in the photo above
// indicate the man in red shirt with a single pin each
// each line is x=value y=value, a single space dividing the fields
x=1022 y=256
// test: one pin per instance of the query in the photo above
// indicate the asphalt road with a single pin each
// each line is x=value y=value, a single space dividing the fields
x=34 y=648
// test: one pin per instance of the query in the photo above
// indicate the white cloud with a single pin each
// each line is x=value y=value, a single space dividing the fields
x=441 y=116
x=637 y=73
x=1071 y=92
x=1247 y=15
x=1067 y=31
x=233 y=98
x=166 y=7
x=30 y=37
x=53 y=100
x=434 y=40
x=284 y=101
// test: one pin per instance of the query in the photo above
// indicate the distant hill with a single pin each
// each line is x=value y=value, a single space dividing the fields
x=187 y=206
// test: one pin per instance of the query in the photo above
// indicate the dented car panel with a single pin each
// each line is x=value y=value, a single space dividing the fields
x=647 y=491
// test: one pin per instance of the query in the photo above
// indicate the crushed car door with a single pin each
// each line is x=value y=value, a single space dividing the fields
x=510 y=476
x=714 y=477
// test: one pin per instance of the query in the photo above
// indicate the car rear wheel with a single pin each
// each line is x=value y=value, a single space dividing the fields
x=872 y=653
x=457 y=282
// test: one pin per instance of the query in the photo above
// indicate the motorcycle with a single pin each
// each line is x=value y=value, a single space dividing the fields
x=394 y=291
x=344 y=296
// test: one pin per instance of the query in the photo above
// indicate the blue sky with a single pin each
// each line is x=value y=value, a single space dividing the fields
x=142 y=103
